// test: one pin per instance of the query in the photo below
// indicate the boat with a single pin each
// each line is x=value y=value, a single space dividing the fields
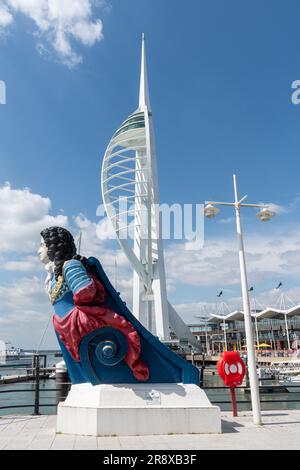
x=9 y=352
x=267 y=373
x=291 y=383
x=286 y=368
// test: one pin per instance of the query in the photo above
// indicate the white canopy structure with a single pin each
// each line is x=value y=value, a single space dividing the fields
x=294 y=311
x=268 y=313
x=131 y=199
x=233 y=316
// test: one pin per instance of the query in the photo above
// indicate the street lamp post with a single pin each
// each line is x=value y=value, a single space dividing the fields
x=287 y=332
x=264 y=215
x=282 y=307
x=206 y=340
x=256 y=330
x=225 y=336
x=256 y=323
x=221 y=311
x=205 y=320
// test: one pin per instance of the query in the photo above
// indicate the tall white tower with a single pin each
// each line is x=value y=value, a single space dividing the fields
x=131 y=199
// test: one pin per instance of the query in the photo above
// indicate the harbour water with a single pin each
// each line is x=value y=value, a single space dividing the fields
x=18 y=397
x=269 y=401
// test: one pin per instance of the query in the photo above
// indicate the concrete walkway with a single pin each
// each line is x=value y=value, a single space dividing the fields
x=281 y=430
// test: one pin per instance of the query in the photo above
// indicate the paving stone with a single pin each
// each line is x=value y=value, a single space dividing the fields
x=63 y=442
x=281 y=430
x=109 y=443
x=155 y=442
x=86 y=443
x=131 y=443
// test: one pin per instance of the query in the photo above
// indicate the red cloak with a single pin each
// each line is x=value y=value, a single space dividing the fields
x=89 y=314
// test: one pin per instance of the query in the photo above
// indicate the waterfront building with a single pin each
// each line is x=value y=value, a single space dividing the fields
x=219 y=333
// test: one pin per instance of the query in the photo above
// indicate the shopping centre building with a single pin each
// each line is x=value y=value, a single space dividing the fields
x=274 y=329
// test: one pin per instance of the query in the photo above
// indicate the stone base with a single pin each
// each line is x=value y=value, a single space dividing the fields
x=137 y=410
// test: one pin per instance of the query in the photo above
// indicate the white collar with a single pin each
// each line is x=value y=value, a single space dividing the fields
x=49 y=267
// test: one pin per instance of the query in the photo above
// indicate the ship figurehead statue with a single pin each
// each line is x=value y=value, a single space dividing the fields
x=100 y=339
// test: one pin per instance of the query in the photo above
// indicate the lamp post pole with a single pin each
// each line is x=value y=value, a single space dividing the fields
x=256 y=330
x=287 y=332
x=264 y=215
x=256 y=323
x=204 y=319
x=282 y=306
x=225 y=336
x=254 y=386
x=207 y=341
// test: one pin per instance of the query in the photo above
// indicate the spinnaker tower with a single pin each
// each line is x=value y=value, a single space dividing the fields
x=131 y=198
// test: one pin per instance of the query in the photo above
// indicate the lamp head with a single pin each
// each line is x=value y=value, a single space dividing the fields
x=211 y=211
x=265 y=215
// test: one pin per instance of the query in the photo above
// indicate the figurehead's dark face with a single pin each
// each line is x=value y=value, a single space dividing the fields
x=60 y=247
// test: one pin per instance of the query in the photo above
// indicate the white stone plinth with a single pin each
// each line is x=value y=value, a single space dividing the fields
x=137 y=410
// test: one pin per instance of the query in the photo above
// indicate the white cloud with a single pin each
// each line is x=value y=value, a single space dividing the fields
x=288 y=209
x=22 y=217
x=189 y=311
x=216 y=264
x=269 y=258
x=228 y=220
x=28 y=264
x=6 y=17
x=92 y=244
x=59 y=23
x=26 y=295
x=24 y=314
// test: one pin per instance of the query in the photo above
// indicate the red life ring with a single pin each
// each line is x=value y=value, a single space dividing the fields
x=231 y=368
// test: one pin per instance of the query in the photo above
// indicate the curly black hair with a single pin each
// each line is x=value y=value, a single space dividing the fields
x=60 y=245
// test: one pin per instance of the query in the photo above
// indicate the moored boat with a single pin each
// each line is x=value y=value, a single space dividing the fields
x=9 y=352
x=292 y=383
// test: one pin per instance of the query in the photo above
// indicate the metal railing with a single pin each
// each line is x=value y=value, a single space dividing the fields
x=271 y=387
x=38 y=374
x=35 y=374
x=37 y=404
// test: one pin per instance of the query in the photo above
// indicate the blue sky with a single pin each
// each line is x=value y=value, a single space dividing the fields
x=220 y=81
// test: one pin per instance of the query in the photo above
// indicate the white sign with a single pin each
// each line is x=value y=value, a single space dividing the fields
x=153 y=398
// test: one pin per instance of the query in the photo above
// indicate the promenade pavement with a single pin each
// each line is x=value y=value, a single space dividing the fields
x=281 y=430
